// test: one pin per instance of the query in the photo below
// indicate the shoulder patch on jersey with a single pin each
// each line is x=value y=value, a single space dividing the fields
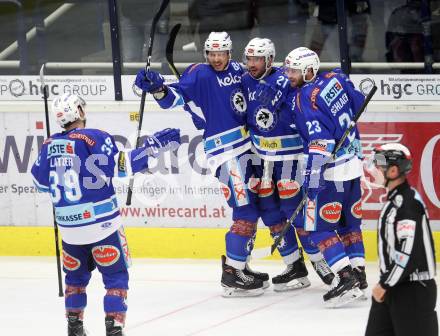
x=313 y=96
x=193 y=67
x=61 y=147
x=398 y=201
x=331 y=91
x=80 y=136
x=330 y=74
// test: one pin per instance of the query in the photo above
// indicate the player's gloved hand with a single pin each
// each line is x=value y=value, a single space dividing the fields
x=162 y=141
x=268 y=95
x=313 y=175
x=150 y=81
x=198 y=122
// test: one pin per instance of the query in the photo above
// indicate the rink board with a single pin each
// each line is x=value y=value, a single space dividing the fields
x=178 y=211
x=186 y=243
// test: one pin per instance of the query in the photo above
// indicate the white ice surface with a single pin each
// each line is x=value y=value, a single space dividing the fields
x=174 y=297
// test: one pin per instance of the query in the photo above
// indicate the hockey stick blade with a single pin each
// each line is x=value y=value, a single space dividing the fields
x=259 y=253
x=156 y=18
x=170 y=50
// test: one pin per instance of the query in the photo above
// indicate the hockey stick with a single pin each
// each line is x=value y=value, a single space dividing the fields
x=170 y=49
x=267 y=251
x=163 y=5
x=55 y=226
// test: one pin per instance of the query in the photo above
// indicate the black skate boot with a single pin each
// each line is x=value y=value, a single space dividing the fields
x=257 y=275
x=75 y=325
x=361 y=276
x=113 y=327
x=236 y=283
x=324 y=272
x=293 y=277
x=345 y=290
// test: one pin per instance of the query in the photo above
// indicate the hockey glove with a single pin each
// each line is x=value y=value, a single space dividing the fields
x=162 y=141
x=150 y=81
x=198 y=122
x=268 y=95
x=314 y=181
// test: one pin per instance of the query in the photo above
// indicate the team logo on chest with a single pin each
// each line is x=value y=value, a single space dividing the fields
x=265 y=119
x=238 y=102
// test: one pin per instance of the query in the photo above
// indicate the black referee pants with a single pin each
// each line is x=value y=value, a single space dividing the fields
x=408 y=310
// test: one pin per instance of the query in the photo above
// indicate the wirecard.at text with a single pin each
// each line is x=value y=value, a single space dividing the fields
x=173 y=212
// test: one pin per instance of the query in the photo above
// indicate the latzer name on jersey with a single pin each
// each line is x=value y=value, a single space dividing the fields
x=331 y=91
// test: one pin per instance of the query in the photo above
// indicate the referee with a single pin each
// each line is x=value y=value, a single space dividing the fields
x=404 y=300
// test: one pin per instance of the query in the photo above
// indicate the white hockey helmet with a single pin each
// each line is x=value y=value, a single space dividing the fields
x=393 y=154
x=66 y=108
x=218 y=41
x=303 y=58
x=260 y=47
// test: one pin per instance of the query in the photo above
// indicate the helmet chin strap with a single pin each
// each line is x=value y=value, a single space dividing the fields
x=262 y=76
x=388 y=180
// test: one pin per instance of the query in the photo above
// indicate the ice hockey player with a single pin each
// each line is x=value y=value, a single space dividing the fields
x=279 y=147
x=211 y=93
x=322 y=107
x=76 y=167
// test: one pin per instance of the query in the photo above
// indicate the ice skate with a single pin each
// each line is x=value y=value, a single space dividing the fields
x=237 y=284
x=345 y=290
x=75 y=326
x=324 y=271
x=257 y=275
x=113 y=327
x=293 y=277
x=361 y=276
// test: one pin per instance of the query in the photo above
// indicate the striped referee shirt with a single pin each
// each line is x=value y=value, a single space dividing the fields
x=405 y=243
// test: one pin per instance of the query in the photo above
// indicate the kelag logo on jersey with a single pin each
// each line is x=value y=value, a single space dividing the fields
x=228 y=80
x=61 y=148
x=264 y=119
x=331 y=91
x=238 y=102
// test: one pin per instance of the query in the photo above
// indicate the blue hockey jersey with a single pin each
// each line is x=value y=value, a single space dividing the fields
x=272 y=138
x=323 y=110
x=217 y=105
x=76 y=167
